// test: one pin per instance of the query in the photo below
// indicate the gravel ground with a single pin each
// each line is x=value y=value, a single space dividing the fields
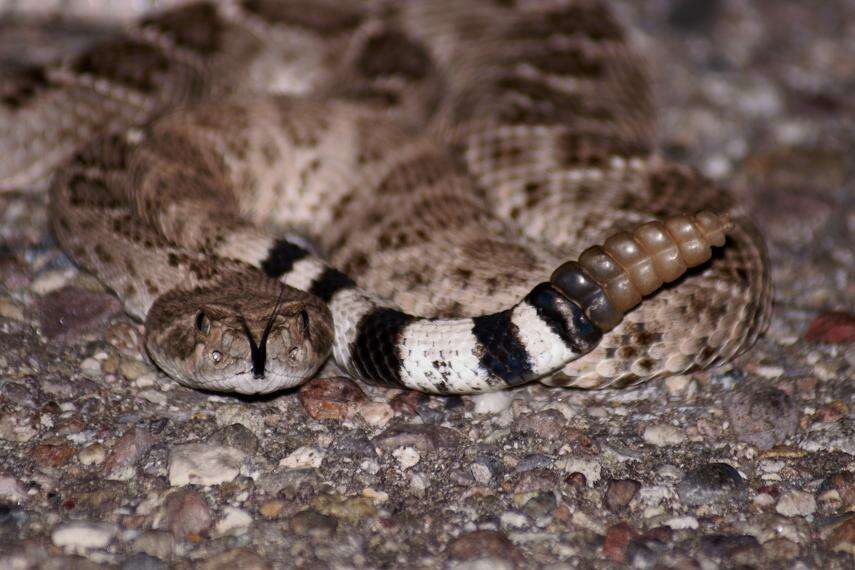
x=104 y=462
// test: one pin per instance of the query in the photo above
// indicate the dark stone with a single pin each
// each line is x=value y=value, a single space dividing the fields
x=534 y=461
x=186 y=512
x=142 y=561
x=619 y=493
x=133 y=445
x=535 y=480
x=834 y=327
x=727 y=545
x=709 y=483
x=764 y=416
x=844 y=483
x=616 y=542
x=237 y=436
x=313 y=524
x=353 y=444
x=541 y=505
x=424 y=437
x=330 y=398
x=484 y=544
x=547 y=424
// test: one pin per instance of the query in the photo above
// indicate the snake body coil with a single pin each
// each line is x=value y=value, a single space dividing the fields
x=404 y=205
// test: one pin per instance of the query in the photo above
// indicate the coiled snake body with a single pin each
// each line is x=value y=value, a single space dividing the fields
x=410 y=203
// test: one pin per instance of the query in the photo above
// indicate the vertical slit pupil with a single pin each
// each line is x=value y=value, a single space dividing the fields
x=200 y=321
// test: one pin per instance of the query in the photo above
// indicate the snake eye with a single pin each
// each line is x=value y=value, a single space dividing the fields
x=217 y=356
x=203 y=323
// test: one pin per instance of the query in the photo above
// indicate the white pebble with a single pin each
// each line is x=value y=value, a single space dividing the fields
x=82 y=534
x=375 y=495
x=203 y=464
x=11 y=489
x=235 y=521
x=796 y=504
x=92 y=454
x=376 y=414
x=492 y=402
x=370 y=466
x=303 y=457
x=481 y=473
x=406 y=456
x=511 y=519
x=681 y=523
x=662 y=435
x=418 y=483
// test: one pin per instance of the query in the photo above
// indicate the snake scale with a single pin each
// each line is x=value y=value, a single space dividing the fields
x=418 y=188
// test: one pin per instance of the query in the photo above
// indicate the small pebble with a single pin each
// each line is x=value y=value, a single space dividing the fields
x=234 y=522
x=92 y=454
x=679 y=523
x=242 y=558
x=186 y=512
x=133 y=369
x=271 y=509
x=423 y=437
x=663 y=435
x=47 y=455
x=796 y=504
x=843 y=537
x=157 y=543
x=834 y=327
x=762 y=417
x=129 y=448
x=616 y=542
x=709 y=483
x=481 y=473
x=406 y=456
x=678 y=384
x=142 y=561
x=546 y=424
x=11 y=489
x=303 y=457
x=83 y=534
x=313 y=524
x=9 y=309
x=619 y=493
x=375 y=414
x=492 y=402
x=330 y=398
x=203 y=464
x=485 y=545
x=235 y=435
x=781 y=549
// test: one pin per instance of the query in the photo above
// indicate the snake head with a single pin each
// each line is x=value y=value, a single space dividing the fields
x=248 y=335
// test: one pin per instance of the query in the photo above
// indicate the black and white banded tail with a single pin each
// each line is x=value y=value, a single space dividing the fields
x=558 y=321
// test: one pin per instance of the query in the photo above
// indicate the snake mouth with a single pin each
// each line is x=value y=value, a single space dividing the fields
x=258 y=352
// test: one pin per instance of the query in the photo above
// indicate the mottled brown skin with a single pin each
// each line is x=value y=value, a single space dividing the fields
x=479 y=146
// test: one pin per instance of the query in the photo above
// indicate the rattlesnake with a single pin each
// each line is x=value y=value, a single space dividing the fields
x=425 y=178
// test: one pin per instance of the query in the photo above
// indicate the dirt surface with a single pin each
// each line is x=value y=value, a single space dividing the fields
x=104 y=462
